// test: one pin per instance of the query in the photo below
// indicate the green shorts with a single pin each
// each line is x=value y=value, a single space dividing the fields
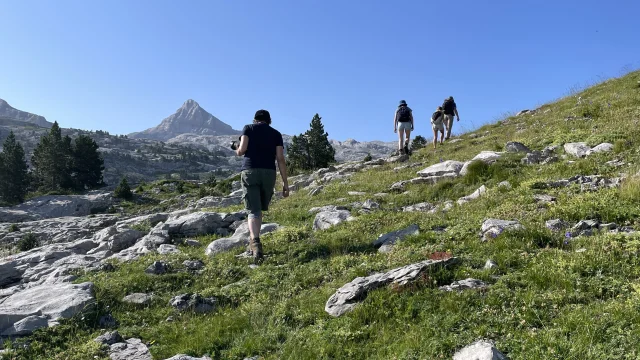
x=257 y=188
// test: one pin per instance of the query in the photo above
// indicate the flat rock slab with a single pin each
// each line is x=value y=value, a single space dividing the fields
x=352 y=293
x=138 y=298
x=577 y=149
x=445 y=168
x=51 y=301
x=385 y=242
x=240 y=238
x=327 y=219
x=132 y=349
x=487 y=156
x=466 y=284
x=475 y=195
x=480 y=350
x=420 y=207
x=604 y=147
x=55 y=206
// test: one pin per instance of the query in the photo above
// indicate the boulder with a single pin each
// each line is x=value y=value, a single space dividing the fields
x=165 y=249
x=349 y=295
x=487 y=156
x=187 y=357
x=26 y=326
x=421 y=207
x=327 y=219
x=556 y=225
x=193 y=264
x=132 y=349
x=480 y=350
x=466 y=284
x=385 y=242
x=578 y=149
x=193 y=302
x=449 y=168
x=138 y=298
x=491 y=228
x=516 y=147
x=240 y=238
x=465 y=168
x=116 y=239
x=604 y=147
x=192 y=242
x=109 y=338
x=158 y=268
x=490 y=264
x=62 y=300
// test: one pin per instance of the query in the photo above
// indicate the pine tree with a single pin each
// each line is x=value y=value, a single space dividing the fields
x=123 y=191
x=418 y=142
x=13 y=171
x=52 y=160
x=87 y=164
x=320 y=150
x=298 y=155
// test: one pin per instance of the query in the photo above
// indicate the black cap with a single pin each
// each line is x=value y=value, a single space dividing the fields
x=263 y=115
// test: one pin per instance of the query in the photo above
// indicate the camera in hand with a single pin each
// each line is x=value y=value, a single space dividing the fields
x=234 y=145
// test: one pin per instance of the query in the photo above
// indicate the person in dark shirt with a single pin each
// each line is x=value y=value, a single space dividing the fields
x=261 y=145
x=450 y=108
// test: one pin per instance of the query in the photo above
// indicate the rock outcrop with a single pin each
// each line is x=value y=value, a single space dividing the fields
x=56 y=206
x=327 y=219
x=385 y=242
x=240 y=238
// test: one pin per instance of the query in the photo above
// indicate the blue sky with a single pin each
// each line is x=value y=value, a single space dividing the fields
x=123 y=66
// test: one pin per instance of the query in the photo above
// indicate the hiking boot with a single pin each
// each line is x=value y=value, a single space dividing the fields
x=256 y=250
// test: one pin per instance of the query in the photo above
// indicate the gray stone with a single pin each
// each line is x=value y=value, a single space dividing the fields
x=56 y=301
x=109 y=338
x=385 y=242
x=604 y=147
x=349 y=295
x=585 y=225
x=316 y=210
x=327 y=219
x=193 y=264
x=466 y=284
x=490 y=264
x=26 y=326
x=132 y=349
x=187 y=357
x=194 y=224
x=116 y=239
x=487 y=156
x=491 y=228
x=421 y=207
x=240 y=238
x=165 y=249
x=480 y=350
x=107 y=321
x=608 y=226
x=475 y=195
x=578 y=149
x=138 y=298
x=192 y=242
x=316 y=191
x=55 y=206
x=544 y=198
x=516 y=147
x=396 y=159
x=445 y=168
x=212 y=202
x=534 y=157
x=193 y=302
x=356 y=193
x=370 y=205
x=504 y=185
x=556 y=225
x=158 y=268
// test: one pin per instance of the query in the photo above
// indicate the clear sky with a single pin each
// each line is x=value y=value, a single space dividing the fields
x=124 y=65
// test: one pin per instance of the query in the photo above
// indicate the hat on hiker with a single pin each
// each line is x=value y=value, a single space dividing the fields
x=402 y=102
x=263 y=116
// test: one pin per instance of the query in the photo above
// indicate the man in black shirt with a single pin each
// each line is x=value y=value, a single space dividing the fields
x=261 y=145
x=450 y=108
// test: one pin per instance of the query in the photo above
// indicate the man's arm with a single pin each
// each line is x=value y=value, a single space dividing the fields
x=244 y=144
x=395 y=121
x=411 y=115
x=455 y=110
x=282 y=166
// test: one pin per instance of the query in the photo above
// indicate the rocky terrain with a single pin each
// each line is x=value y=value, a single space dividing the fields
x=516 y=241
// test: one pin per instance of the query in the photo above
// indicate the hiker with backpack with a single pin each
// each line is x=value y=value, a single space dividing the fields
x=449 y=107
x=437 y=125
x=261 y=145
x=403 y=121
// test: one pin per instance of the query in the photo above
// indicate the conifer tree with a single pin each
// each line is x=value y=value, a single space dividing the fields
x=298 y=155
x=13 y=171
x=123 y=191
x=320 y=150
x=52 y=160
x=88 y=164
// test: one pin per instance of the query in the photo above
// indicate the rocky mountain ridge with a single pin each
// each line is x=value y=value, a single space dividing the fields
x=10 y=113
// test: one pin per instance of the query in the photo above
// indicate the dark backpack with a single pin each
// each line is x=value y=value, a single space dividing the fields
x=436 y=117
x=448 y=106
x=404 y=114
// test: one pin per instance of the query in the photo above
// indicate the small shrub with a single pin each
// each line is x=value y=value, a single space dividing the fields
x=140 y=189
x=418 y=142
x=477 y=171
x=368 y=157
x=28 y=242
x=202 y=192
x=14 y=228
x=144 y=226
x=621 y=145
x=591 y=110
x=123 y=191
x=180 y=187
x=630 y=189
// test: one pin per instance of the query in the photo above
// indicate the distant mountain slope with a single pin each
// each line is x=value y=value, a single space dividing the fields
x=189 y=118
x=7 y=112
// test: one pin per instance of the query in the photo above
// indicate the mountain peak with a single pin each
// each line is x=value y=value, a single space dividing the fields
x=7 y=111
x=190 y=104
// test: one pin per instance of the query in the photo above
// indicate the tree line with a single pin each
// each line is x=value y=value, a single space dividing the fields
x=59 y=164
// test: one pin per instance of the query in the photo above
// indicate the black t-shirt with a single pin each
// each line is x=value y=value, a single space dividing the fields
x=261 y=152
x=449 y=106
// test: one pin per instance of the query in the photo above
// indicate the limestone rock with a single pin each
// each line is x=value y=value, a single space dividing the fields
x=192 y=242
x=26 y=326
x=165 y=249
x=604 y=147
x=516 y=147
x=193 y=264
x=186 y=357
x=55 y=206
x=240 y=238
x=385 y=242
x=158 y=268
x=109 y=338
x=421 y=207
x=504 y=185
x=316 y=210
x=356 y=193
x=218 y=201
x=138 y=298
x=466 y=284
x=480 y=350
x=476 y=194
x=197 y=223
x=490 y=264
x=578 y=149
x=132 y=349
x=491 y=228
x=544 y=198
x=193 y=302
x=487 y=156
x=349 y=295
x=556 y=225
x=445 y=168
x=327 y=219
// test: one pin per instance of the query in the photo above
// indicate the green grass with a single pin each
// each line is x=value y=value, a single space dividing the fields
x=545 y=300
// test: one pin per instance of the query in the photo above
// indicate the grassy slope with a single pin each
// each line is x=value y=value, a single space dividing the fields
x=545 y=300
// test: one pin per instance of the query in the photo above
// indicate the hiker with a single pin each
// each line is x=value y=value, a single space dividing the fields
x=437 y=125
x=450 y=108
x=261 y=145
x=403 y=121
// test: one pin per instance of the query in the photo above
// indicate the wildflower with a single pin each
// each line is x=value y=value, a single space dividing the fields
x=567 y=235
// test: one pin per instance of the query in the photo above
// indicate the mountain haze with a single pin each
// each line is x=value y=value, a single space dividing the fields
x=10 y=113
x=190 y=118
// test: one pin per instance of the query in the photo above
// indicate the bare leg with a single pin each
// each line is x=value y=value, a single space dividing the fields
x=408 y=137
x=442 y=137
x=254 y=226
x=435 y=138
x=255 y=223
x=400 y=140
